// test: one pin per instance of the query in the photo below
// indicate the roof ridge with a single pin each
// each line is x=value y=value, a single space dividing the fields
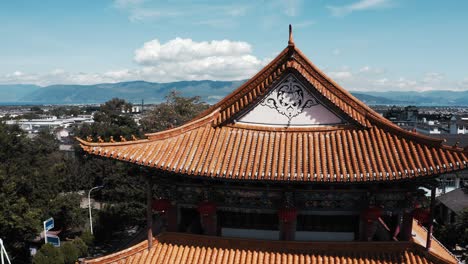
x=250 y=81
x=432 y=252
x=122 y=254
x=282 y=247
x=277 y=245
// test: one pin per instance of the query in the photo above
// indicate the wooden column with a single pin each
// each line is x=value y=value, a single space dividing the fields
x=149 y=209
x=431 y=220
x=407 y=226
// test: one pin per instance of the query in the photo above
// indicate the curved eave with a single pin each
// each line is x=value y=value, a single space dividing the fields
x=239 y=153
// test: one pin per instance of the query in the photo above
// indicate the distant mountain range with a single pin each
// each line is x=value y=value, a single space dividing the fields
x=209 y=91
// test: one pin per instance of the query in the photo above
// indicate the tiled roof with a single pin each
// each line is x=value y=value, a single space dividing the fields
x=185 y=248
x=367 y=148
x=420 y=236
x=456 y=200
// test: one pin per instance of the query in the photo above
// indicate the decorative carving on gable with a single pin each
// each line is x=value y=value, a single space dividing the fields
x=290 y=103
x=288 y=99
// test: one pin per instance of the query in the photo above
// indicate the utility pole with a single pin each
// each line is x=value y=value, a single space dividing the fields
x=89 y=205
x=3 y=253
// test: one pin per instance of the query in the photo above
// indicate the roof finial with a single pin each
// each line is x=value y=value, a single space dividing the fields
x=291 y=41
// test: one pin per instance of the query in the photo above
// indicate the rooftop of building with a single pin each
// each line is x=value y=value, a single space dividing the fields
x=324 y=135
x=456 y=200
x=188 y=248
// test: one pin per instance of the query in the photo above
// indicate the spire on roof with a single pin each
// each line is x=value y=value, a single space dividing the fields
x=291 y=41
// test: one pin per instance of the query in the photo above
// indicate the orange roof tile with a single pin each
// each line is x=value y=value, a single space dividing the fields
x=186 y=248
x=420 y=236
x=367 y=147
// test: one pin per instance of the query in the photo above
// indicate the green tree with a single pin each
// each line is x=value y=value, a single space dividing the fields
x=67 y=212
x=49 y=254
x=110 y=121
x=31 y=179
x=456 y=233
x=60 y=111
x=123 y=192
x=70 y=252
x=81 y=246
x=176 y=111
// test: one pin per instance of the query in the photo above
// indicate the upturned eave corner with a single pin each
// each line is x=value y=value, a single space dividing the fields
x=89 y=144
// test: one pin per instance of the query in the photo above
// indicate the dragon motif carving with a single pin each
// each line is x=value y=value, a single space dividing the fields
x=288 y=99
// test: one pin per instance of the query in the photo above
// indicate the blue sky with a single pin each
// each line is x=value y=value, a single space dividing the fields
x=362 y=44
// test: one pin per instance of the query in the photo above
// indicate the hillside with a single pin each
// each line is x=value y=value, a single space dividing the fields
x=209 y=91
x=15 y=92
x=131 y=91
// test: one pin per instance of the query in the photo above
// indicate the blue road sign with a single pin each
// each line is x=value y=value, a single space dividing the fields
x=54 y=240
x=49 y=224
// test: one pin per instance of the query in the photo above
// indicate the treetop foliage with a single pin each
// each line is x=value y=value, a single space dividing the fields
x=37 y=181
x=176 y=111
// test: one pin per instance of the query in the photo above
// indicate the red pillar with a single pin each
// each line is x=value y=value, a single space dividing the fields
x=287 y=223
x=208 y=217
x=407 y=226
x=172 y=219
x=209 y=224
x=369 y=222
x=149 y=211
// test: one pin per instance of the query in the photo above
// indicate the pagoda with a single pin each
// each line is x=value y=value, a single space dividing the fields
x=288 y=168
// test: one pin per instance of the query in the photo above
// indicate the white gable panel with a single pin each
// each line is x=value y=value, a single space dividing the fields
x=290 y=103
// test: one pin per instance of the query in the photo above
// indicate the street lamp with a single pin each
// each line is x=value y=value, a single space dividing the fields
x=89 y=205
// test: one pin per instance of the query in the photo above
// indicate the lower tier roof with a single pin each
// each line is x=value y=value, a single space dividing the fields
x=186 y=248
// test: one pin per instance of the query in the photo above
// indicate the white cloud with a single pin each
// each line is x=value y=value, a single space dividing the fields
x=118 y=75
x=368 y=78
x=180 y=49
x=175 y=60
x=341 y=75
x=370 y=70
x=142 y=14
x=383 y=81
x=463 y=84
x=360 y=5
x=143 y=11
x=292 y=7
x=433 y=77
x=18 y=74
x=365 y=69
x=304 y=24
x=60 y=76
x=336 y=52
x=127 y=3
x=185 y=59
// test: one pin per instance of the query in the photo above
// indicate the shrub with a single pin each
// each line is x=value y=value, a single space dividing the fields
x=81 y=246
x=88 y=238
x=48 y=254
x=70 y=252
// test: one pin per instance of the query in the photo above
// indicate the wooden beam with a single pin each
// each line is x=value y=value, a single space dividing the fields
x=149 y=209
x=431 y=219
